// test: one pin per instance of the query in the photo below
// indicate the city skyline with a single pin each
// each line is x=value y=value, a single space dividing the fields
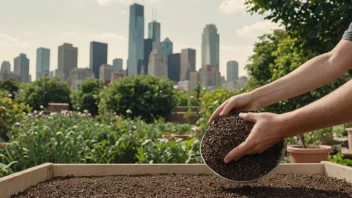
x=24 y=36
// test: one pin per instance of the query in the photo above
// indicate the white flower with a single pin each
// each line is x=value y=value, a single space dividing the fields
x=58 y=133
x=75 y=127
x=10 y=95
x=85 y=111
x=128 y=111
x=17 y=123
x=41 y=106
x=53 y=114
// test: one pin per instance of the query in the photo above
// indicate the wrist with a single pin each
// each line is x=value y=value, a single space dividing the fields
x=287 y=124
x=257 y=97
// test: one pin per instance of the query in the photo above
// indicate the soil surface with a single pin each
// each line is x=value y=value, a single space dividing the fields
x=280 y=186
x=227 y=133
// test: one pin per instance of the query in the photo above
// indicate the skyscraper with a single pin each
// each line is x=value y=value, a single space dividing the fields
x=98 y=56
x=117 y=64
x=67 y=60
x=136 y=39
x=148 y=48
x=210 y=46
x=21 y=67
x=157 y=64
x=188 y=63
x=105 y=73
x=154 y=34
x=5 y=67
x=167 y=47
x=174 y=66
x=232 y=71
x=43 y=62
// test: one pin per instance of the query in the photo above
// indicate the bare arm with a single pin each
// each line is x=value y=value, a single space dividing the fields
x=311 y=75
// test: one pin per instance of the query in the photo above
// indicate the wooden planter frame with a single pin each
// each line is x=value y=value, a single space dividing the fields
x=21 y=181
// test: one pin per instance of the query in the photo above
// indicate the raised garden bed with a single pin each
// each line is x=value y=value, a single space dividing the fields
x=169 y=180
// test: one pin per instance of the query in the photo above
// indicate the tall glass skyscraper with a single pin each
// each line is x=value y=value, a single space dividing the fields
x=98 y=56
x=5 y=67
x=43 y=62
x=232 y=71
x=154 y=34
x=67 y=60
x=21 y=68
x=210 y=46
x=117 y=64
x=167 y=47
x=135 y=39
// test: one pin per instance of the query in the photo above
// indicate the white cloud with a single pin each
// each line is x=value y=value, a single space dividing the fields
x=256 y=29
x=232 y=6
x=68 y=34
x=111 y=36
x=8 y=38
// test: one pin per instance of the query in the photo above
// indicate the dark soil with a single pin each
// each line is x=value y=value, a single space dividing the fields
x=281 y=186
x=227 y=133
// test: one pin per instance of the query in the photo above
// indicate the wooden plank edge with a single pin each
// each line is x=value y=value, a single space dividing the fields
x=20 y=181
x=338 y=171
x=300 y=168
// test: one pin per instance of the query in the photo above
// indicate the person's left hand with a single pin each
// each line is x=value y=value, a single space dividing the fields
x=268 y=129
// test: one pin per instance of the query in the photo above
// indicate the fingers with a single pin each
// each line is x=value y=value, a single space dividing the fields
x=237 y=152
x=216 y=112
x=228 y=107
x=251 y=117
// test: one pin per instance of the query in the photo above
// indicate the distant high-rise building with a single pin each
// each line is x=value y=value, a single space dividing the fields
x=167 y=47
x=174 y=67
x=210 y=76
x=154 y=34
x=117 y=64
x=148 y=48
x=98 y=56
x=105 y=73
x=43 y=62
x=188 y=63
x=232 y=71
x=5 y=67
x=117 y=75
x=67 y=60
x=223 y=80
x=53 y=74
x=78 y=75
x=157 y=64
x=136 y=39
x=21 y=68
x=210 y=46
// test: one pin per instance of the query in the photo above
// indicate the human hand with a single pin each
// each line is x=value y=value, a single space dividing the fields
x=242 y=102
x=268 y=129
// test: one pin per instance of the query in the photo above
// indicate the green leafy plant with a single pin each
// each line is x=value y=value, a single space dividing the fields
x=339 y=158
x=143 y=96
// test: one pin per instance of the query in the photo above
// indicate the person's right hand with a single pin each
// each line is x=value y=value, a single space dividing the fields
x=242 y=102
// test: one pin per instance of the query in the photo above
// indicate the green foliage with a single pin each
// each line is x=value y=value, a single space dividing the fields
x=45 y=91
x=10 y=112
x=318 y=25
x=87 y=96
x=11 y=85
x=210 y=102
x=339 y=158
x=78 y=138
x=146 y=96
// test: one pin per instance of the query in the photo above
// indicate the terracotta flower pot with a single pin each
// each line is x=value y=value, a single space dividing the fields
x=311 y=154
x=349 y=131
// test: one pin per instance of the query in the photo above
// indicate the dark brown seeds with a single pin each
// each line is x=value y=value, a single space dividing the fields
x=227 y=133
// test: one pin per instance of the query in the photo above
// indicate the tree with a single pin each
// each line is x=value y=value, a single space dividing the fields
x=45 y=91
x=318 y=25
x=11 y=85
x=145 y=96
x=86 y=98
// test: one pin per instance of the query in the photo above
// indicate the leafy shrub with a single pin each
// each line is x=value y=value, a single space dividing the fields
x=45 y=91
x=10 y=112
x=11 y=85
x=145 y=96
x=338 y=158
x=87 y=96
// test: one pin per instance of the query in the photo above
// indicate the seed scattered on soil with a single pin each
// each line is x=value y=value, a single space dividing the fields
x=273 y=186
x=227 y=133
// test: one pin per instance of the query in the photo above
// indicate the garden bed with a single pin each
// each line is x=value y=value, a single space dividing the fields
x=169 y=180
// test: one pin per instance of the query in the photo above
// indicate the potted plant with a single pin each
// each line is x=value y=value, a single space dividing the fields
x=312 y=153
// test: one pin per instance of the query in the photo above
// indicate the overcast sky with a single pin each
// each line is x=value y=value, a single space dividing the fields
x=26 y=25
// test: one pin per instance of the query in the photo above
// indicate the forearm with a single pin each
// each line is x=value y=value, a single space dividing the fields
x=311 y=75
x=331 y=110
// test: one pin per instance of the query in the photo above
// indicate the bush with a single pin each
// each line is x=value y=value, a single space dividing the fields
x=45 y=91
x=87 y=96
x=10 y=85
x=10 y=113
x=145 y=96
